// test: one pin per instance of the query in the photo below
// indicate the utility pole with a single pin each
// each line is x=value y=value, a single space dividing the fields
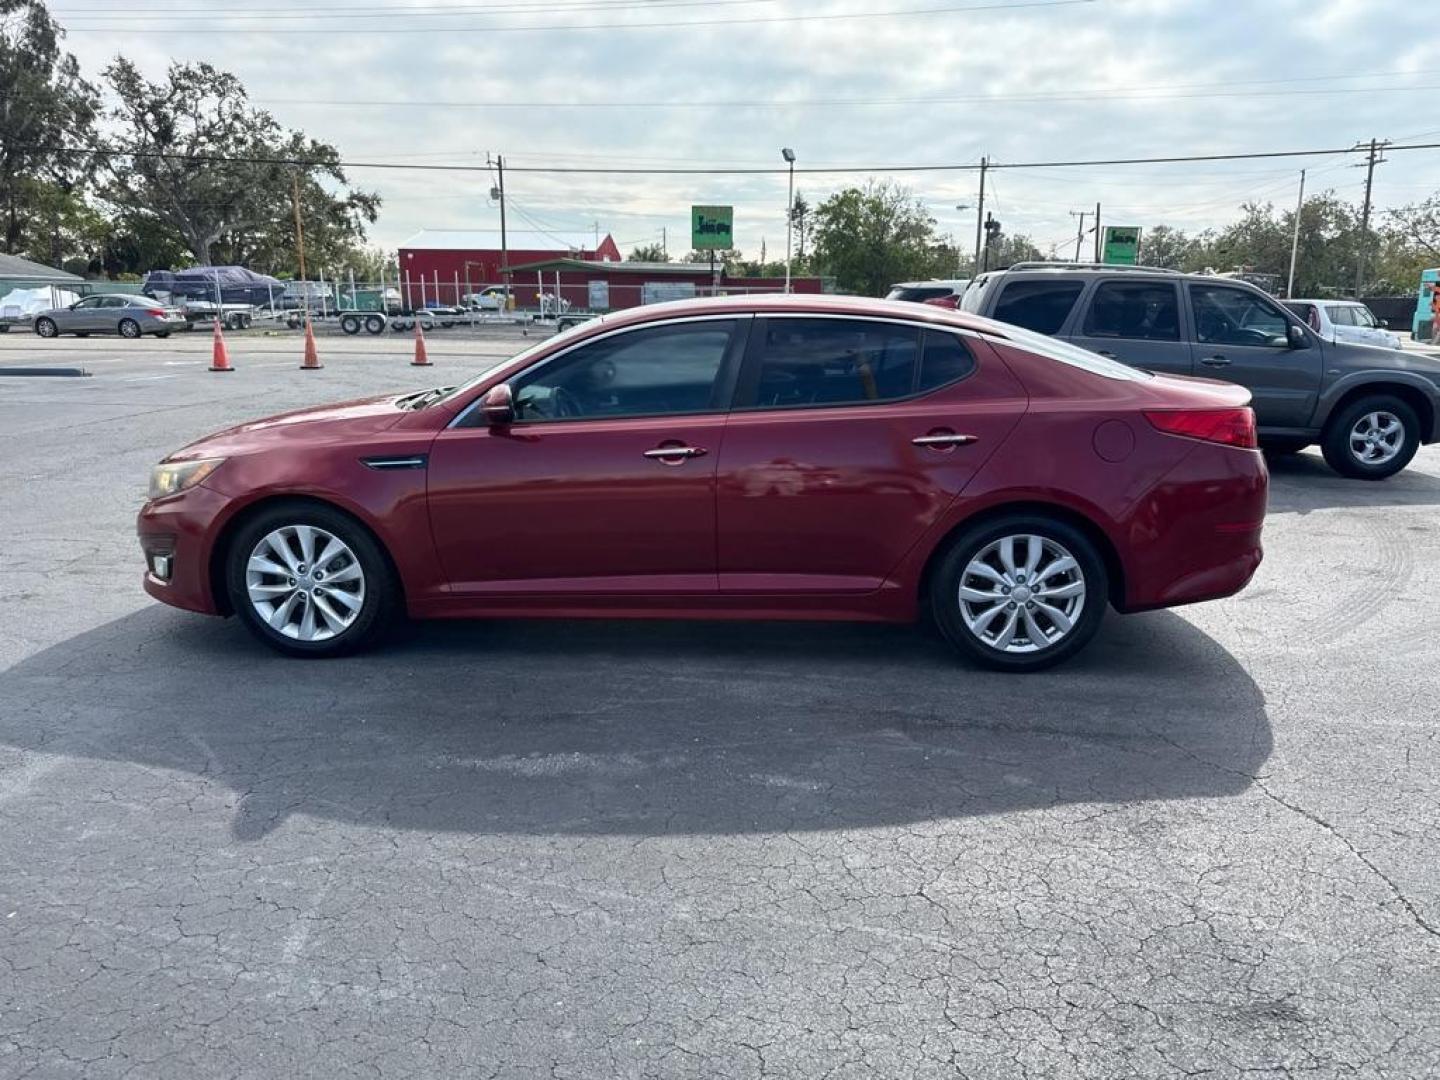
x=1295 y=240
x=1373 y=158
x=789 y=156
x=1080 y=232
x=664 y=243
x=300 y=242
x=1097 y=232
x=980 y=211
x=498 y=192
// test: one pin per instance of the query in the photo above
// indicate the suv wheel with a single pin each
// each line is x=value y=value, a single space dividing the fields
x=1020 y=593
x=1372 y=438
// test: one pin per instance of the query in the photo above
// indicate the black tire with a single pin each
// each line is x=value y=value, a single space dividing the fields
x=374 y=324
x=350 y=324
x=380 y=608
x=163 y=334
x=130 y=329
x=1336 y=442
x=46 y=328
x=1283 y=447
x=1056 y=536
x=235 y=321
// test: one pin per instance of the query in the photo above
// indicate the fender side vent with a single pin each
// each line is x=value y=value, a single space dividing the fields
x=388 y=464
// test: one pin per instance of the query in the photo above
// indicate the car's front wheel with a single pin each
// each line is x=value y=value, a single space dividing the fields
x=1372 y=438
x=1020 y=593
x=309 y=580
x=46 y=328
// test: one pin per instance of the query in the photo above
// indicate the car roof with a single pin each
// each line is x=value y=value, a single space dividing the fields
x=932 y=283
x=816 y=304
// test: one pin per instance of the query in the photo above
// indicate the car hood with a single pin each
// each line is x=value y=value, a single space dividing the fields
x=1351 y=353
x=341 y=422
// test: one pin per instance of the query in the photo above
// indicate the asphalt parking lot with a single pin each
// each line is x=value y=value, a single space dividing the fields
x=580 y=850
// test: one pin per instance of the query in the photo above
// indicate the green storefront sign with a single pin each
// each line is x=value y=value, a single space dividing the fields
x=712 y=228
x=1122 y=245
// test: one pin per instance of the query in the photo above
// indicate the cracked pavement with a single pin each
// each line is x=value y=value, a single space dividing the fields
x=575 y=850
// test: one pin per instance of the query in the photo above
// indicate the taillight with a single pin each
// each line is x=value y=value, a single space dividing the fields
x=1233 y=427
x=155 y=313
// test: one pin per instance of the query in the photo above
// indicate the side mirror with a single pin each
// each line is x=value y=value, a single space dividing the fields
x=498 y=405
x=1297 y=337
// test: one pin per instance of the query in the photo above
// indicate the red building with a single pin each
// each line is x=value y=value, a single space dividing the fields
x=610 y=286
x=446 y=264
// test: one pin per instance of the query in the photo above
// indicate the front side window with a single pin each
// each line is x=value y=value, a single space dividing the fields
x=1365 y=317
x=1134 y=309
x=1228 y=316
x=834 y=362
x=114 y=302
x=1041 y=306
x=87 y=303
x=656 y=371
x=1341 y=315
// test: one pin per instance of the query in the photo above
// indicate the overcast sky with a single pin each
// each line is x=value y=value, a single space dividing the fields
x=729 y=82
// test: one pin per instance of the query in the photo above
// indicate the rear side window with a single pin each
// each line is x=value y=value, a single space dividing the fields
x=1042 y=306
x=1134 y=309
x=834 y=362
x=919 y=293
x=1341 y=315
x=944 y=360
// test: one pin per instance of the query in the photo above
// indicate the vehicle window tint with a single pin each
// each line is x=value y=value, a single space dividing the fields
x=1340 y=315
x=835 y=362
x=945 y=359
x=1042 y=306
x=114 y=302
x=649 y=372
x=1134 y=309
x=1309 y=312
x=1230 y=316
x=89 y=302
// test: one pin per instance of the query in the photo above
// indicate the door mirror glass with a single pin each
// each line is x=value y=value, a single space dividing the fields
x=1297 y=338
x=498 y=405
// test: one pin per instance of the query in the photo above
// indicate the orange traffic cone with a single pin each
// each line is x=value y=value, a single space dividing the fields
x=421 y=359
x=312 y=358
x=219 y=354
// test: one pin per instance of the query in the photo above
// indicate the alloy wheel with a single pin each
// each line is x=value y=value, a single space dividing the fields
x=1377 y=437
x=1022 y=593
x=305 y=583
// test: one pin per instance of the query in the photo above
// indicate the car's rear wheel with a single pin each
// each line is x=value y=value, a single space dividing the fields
x=129 y=328
x=309 y=580
x=374 y=324
x=1020 y=593
x=46 y=328
x=1372 y=438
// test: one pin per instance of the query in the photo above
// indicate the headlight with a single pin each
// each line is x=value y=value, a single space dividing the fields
x=170 y=477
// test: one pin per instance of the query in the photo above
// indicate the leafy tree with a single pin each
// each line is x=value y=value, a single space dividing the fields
x=648 y=253
x=868 y=238
x=1166 y=247
x=194 y=156
x=1008 y=250
x=800 y=216
x=725 y=257
x=44 y=105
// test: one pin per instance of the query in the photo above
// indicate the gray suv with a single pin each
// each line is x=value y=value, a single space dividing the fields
x=1368 y=408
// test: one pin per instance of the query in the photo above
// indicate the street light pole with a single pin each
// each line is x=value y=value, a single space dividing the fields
x=789 y=156
x=959 y=255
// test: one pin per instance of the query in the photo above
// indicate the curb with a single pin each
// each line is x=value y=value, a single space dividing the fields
x=40 y=372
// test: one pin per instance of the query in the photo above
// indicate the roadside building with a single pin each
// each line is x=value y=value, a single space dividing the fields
x=610 y=286
x=445 y=264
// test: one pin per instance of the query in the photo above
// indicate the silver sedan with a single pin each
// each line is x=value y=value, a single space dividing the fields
x=125 y=314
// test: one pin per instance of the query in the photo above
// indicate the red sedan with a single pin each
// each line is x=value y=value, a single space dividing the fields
x=749 y=458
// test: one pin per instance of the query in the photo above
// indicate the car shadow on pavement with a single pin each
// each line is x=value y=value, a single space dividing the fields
x=1300 y=483
x=643 y=728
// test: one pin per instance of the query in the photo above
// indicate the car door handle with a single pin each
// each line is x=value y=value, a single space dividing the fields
x=1215 y=361
x=663 y=452
x=939 y=439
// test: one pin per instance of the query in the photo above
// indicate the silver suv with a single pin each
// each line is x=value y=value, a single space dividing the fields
x=1368 y=408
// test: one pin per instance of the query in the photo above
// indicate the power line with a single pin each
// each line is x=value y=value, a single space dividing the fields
x=225 y=18
x=207 y=30
x=1175 y=159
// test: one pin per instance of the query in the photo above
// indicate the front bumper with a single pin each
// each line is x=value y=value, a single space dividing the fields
x=181 y=529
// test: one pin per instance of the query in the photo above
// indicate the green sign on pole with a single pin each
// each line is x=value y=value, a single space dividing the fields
x=712 y=228
x=1122 y=245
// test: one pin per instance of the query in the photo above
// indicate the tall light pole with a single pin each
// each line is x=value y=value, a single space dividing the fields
x=789 y=156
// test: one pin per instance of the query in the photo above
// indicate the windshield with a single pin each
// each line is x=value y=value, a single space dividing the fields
x=1062 y=351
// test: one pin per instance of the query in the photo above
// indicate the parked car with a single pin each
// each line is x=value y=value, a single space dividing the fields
x=944 y=293
x=1369 y=408
x=1344 y=320
x=125 y=314
x=768 y=457
x=487 y=299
